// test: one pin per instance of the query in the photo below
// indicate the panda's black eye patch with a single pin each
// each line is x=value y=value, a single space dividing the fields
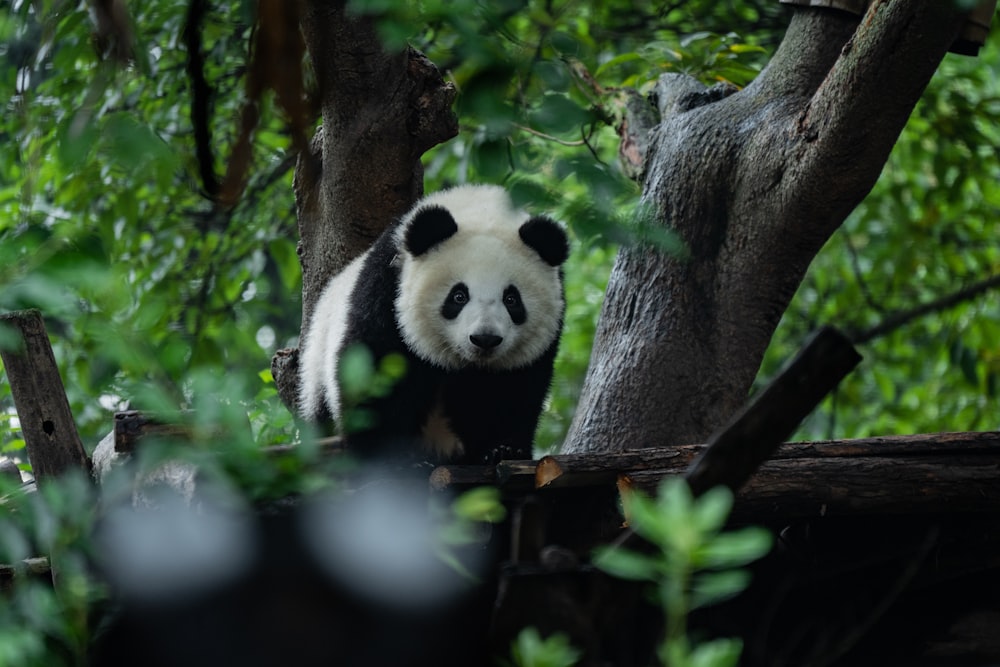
x=515 y=307
x=455 y=301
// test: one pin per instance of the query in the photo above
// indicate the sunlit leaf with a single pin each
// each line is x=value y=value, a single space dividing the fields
x=480 y=504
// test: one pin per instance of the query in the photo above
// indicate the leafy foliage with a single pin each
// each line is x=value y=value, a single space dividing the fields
x=530 y=650
x=37 y=625
x=143 y=281
x=158 y=297
x=695 y=563
x=926 y=231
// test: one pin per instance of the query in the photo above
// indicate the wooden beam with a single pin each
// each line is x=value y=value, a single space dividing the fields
x=50 y=434
x=739 y=448
x=893 y=474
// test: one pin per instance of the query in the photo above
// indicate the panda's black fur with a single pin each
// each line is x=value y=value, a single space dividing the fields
x=458 y=400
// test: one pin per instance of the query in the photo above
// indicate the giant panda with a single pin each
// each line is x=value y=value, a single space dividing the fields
x=468 y=289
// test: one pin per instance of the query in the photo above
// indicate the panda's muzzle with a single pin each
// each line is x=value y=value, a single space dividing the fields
x=486 y=342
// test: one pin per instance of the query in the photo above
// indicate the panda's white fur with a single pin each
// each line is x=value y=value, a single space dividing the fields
x=319 y=351
x=486 y=255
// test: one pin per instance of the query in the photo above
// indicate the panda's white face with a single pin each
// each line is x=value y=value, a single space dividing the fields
x=472 y=291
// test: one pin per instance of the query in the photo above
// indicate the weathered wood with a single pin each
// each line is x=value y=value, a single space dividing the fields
x=905 y=474
x=897 y=484
x=133 y=426
x=52 y=442
x=738 y=449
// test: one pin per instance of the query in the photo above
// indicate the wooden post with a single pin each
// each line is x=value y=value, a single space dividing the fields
x=50 y=434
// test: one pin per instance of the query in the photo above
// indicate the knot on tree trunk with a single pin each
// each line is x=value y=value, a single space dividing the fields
x=432 y=122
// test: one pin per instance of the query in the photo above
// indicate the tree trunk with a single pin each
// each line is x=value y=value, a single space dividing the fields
x=381 y=111
x=755 y=183
x=50 y=436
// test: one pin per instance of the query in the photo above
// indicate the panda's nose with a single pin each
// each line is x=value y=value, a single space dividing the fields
x=485 y=341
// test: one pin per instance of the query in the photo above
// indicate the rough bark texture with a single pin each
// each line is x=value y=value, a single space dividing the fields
x=52 y=442
x=381 y=112
x=755 y=183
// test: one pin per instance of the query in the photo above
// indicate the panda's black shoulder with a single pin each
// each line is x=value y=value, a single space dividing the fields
x=371 y=314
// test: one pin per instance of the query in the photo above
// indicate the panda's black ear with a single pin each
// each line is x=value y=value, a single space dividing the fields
x=429 y=226
x=547 y=238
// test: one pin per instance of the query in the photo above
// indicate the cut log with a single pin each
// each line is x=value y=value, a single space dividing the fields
x=50 y=435
x=895 y=474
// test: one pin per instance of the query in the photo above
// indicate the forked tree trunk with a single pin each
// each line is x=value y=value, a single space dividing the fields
x=755 y=183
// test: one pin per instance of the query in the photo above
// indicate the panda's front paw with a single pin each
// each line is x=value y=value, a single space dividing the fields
x=505 y=452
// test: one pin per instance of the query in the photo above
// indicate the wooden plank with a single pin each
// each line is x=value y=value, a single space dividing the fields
x=50 y=435
x=740 y=447
x=897 y=474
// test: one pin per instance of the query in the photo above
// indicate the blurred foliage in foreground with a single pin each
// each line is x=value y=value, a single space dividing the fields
x=159 y=299
x=148 y=286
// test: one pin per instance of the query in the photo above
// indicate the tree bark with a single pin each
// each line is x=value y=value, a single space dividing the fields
x=381 y=111
x=50 y=436
x=913 y=474
x=755 y=183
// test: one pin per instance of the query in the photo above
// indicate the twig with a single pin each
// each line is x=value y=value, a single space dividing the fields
x=902 y=318
x=549 y=137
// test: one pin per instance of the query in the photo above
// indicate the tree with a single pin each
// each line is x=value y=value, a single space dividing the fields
x=148 y=281
x=146 y=205
x=753 y=182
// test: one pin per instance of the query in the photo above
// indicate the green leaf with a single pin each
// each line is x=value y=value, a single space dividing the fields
x=623 y=59
x=356 y=371
x=392 y=367
x=77 y=137
x=664 y=520
x=286 y=258
x=626 y=564
x=713 y=587
x=135 y=147
x=735 y=548
x=716 y=653
x=530 y=650
x=480 y=504
x=491 y=158
x=558 y=114
x=710 y=511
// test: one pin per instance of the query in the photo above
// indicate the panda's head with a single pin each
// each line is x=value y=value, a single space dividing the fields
x=480 y=282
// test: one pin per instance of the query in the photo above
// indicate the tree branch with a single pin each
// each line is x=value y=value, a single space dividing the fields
x=901 y=318
x=754 y=184
x=736 y=451
x=201 y=96
x=856 y=115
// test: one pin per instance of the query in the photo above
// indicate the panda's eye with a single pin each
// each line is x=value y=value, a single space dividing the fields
x=515 y=307
x=456 y=300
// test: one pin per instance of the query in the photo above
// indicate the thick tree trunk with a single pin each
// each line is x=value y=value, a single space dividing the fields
x=754 y=183
x=381 y=112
